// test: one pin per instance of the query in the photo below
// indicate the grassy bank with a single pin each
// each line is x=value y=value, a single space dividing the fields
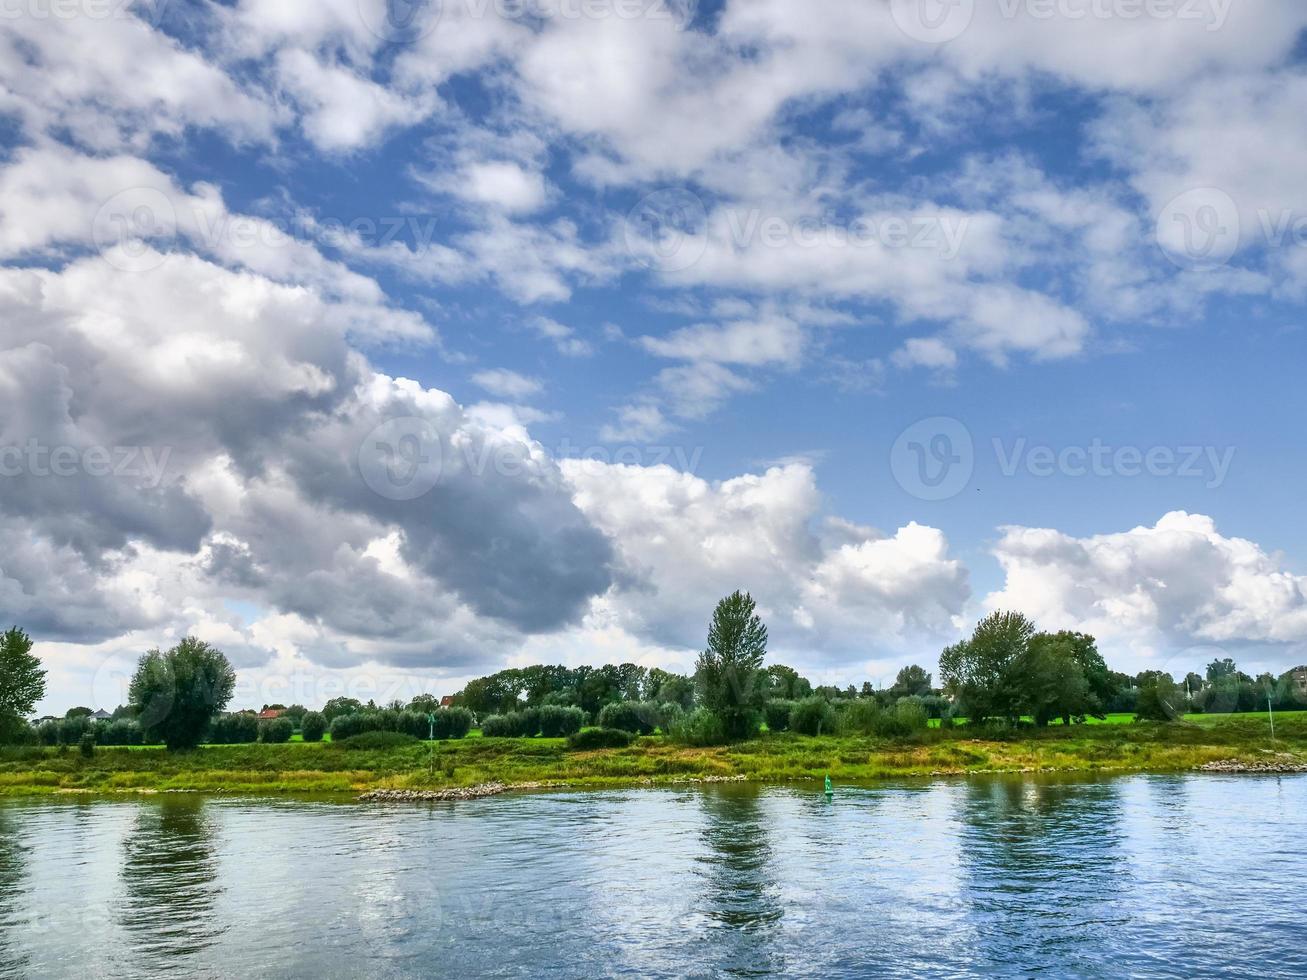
x=300 y=767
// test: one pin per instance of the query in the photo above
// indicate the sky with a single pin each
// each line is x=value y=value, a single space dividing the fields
x=388 y=344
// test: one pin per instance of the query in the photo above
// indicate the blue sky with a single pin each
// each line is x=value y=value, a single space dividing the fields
x=645 y=302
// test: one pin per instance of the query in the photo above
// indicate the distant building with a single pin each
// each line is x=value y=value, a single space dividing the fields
x=447 y=701
x=270 y=713
x=101 y=715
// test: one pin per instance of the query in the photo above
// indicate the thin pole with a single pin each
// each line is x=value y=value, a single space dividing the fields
x=1271 y=711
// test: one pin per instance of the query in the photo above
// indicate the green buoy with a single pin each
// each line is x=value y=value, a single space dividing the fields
x=829 y=791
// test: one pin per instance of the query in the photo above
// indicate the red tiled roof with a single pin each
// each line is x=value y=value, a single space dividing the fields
x=270 y=714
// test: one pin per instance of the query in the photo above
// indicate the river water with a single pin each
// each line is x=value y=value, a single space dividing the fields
x=1162 y=876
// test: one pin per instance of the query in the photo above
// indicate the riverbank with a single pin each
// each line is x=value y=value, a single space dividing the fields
x=1233 y=744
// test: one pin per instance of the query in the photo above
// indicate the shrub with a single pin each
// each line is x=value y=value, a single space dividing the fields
x=859 y=717
x=313 y=726
x=359 y=722
x=777 y=714
x=813 y=716
x=699 y=727
x=414 y=723
x=599 y=738
x=124 y=731
x=557 y=721
x=669 y=713
x=233 y=729
x=72 y=729
x=372 y=741
x=86 y=745
x=275 y=731
x=499 y=726
x=911 y=716
x=48 y=732
x=453 y=723
x=638 y=717
x=528 y=722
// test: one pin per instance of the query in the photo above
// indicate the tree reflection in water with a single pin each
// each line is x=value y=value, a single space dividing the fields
x=741 y=895
x=14 y=896
x=170 y=879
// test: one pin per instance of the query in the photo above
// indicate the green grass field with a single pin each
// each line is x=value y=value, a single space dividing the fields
x=299 y=767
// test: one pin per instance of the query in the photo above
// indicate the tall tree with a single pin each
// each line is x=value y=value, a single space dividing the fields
x=728 y=671
x=911 y=680
x=178 y=692
x=22 y=683
x=982 y=672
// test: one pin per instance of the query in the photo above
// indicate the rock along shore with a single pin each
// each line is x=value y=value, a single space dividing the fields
x=1270 y=766
x=439 y=795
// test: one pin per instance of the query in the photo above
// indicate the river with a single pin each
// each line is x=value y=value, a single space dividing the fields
x=1160 y=876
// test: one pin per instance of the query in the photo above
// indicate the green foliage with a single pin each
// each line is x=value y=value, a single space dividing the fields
x=313 y=726
x=86 y=745
x=348 y=725
x=984 y=671
x=599 y=738
x=858 y=717
x=275 y=731
x=557 y=721
x=413 y=723
x=700 y=727
x=911 y=680
x=48 y=732
x=776 y=713
x=177 y=693
x=234 y=729
x=499 y=726
x=453 y=723
x=729 y=671
x=785 y=684
x=336 y=707
x=22 y=684
x=373 y=741
x=121 y=731
x=813 y=716
x=637 y=717
x=78 y=712
x=1159 y=699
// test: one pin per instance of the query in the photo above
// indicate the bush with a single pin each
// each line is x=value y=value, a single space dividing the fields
x=528 y=722
x=499 y=726
x=86 y=745
x=669 y=713
x=414 y=723
x=359 y=722
x=275 y=731
x=700 y=727
x=72 y=729
x=48 y=732
x=599 y=738
x=313 y=726
x=911 y=716
x=813 y=716
x=859 y=717
x=453 y=723
x=557 y=721
x=373 y=741
x=233 y=729
x=777 y=714
x=124 y=731
x=638 y=717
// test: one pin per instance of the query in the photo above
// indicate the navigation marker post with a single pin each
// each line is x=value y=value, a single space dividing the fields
x=829 y=791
